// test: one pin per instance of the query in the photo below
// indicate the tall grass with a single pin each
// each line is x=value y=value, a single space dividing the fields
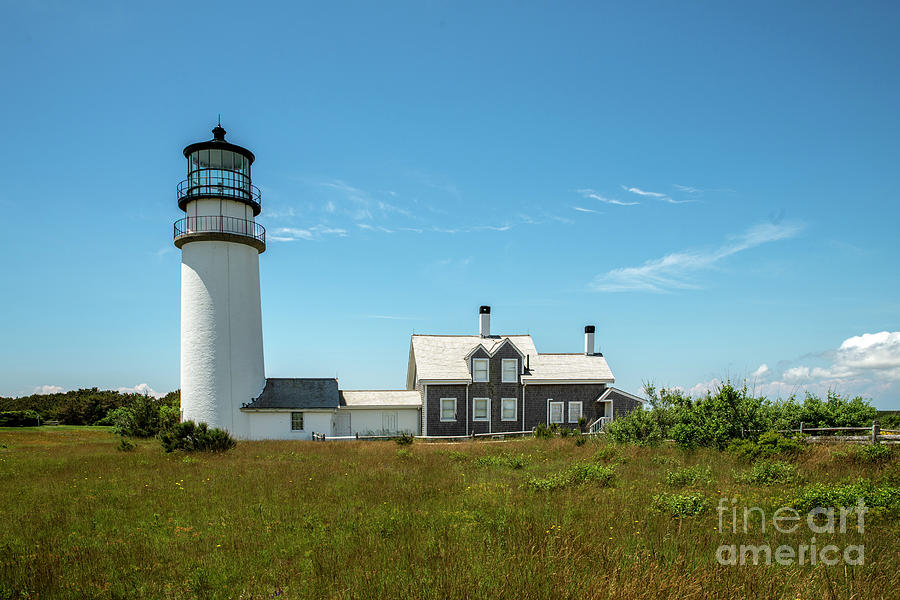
x=362 y=520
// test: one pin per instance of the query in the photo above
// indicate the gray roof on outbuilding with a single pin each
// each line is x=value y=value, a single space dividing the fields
x=301 y=393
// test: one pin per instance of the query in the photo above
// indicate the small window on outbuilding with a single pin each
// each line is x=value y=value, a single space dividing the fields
x=296 y=421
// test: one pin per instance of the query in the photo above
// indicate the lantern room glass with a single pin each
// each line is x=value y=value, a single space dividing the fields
x=219 y=172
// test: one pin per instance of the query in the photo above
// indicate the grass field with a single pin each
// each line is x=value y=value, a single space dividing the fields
x=519 y=519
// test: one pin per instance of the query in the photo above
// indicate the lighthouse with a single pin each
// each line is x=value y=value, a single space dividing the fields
x=222 y=364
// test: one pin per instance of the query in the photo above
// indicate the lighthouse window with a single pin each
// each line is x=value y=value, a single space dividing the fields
x=296 y=421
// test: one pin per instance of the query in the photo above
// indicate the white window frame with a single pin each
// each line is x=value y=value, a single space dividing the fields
x=515 y=370
x=454 y=419
x=562 y=411
x=475 y=416
x=580 y=411
x=302 y=423
x=515 y=406
x=487 y=370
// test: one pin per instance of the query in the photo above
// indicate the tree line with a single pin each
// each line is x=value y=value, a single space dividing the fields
x=89 y=406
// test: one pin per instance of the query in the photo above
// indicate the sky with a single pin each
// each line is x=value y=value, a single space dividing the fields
x=713 y=185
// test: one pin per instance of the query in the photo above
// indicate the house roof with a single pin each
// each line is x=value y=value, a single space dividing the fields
x=444 y=357
x=569 y=366
x=380 y=398
x=611 y=393
x=297 y=393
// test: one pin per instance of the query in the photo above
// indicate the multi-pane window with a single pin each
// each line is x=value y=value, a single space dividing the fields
x=574 y=412
x=448 y=409
x=481 y=409
x=510 y=370
x=296 y=421
x=480 y=369
x=556 y=412
x=508 y=409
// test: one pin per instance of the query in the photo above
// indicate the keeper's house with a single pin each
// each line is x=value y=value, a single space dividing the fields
x=456 y=385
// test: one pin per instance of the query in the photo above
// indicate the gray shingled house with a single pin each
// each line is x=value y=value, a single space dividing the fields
x=500 y=383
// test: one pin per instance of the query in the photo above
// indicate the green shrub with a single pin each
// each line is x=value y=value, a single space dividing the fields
x=125 y=445
x=543 y=432
x=769 y=445
x=576 y=474
x=637 y=427
x=680 y=505
x=580 y=440
x=512 y=461
x=609 y=454
x=870 y=453
x=404 y=439
x=404 y=454
x=190 y=437
x=769 y=473
x=883 y=497
x=19 y=418
x=685 y=476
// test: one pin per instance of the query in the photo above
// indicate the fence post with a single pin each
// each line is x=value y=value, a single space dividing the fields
x=357 y=435
x=801 y=427
x=876 y=429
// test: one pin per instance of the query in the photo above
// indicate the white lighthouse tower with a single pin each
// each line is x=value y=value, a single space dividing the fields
x=221 y=322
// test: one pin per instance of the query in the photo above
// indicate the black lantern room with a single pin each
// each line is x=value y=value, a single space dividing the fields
x=218 y=169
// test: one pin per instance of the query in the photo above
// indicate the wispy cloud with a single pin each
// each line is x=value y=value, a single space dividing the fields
x=687 y=189
x=589 y=193
x=292 y=234
x=641 y=192
x=658 y=195
x=678 y=270
x=585 y=210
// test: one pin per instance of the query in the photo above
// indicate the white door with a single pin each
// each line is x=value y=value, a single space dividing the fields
x=389 y=421
x=556 y=412
x=342 y=423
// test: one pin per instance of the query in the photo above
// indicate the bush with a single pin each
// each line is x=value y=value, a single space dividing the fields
x=19 y=418
x=878 y=497
x=125 y=445
x=404 y=439
x=686 y=476
x=608 y=454
x=191 y=437
x=769 y=473
x=869 y=454
x=543 y=432
x=640 y=426
x=680 y=505
x=512 y=461
x=769 y=445
x=575 y=475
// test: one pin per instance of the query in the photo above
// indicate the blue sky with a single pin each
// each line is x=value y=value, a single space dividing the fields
x=714 y=186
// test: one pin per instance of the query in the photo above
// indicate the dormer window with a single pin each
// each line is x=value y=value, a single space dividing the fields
x=480 y=369
x=510 y=370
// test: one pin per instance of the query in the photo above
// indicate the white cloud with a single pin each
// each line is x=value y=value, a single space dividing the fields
x=676 y=270
x=700 y=389
x=641 y=192
x=760 y=372
x=292 y=234
x=48 y=389
x=687 y=189
x=142 y=388
x=585 y=210
x=589 y=193
x=867 y=365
